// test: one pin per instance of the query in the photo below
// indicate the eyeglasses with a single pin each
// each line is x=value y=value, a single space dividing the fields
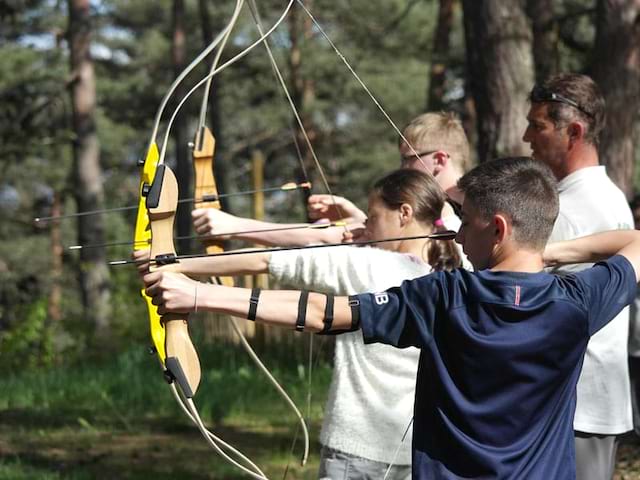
x=541 y=94
x=410 y=157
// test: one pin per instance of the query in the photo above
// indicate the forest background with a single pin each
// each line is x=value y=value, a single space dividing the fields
x=80 y=84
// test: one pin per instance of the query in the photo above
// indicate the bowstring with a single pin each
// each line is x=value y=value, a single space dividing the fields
x=243 y=340
x=362 y=84
x=397 y=130
x=187 y=70
x=219 y=69
x=188 y=405
x=263 y=37
x=285 y=92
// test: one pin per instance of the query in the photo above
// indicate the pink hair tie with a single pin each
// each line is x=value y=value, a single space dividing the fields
x=439 y=223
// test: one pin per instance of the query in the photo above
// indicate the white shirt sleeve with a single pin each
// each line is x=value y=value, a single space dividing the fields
x=344 y=270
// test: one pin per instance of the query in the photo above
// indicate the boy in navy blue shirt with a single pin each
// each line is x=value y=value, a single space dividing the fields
x=501 y=347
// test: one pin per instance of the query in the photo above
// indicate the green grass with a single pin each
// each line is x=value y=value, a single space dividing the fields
x=117 y=419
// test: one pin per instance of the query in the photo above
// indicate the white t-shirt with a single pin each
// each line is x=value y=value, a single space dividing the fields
x=589 y=203
x=372 y=390
x=634 y=327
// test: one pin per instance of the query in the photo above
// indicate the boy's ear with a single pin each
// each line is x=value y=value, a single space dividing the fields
x=502 y=227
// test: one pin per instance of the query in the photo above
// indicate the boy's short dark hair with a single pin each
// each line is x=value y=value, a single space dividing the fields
x=523 y=189
x=572 y=97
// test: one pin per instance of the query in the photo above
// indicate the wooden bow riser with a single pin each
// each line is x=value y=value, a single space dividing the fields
x=205 y=184
x=181 y=356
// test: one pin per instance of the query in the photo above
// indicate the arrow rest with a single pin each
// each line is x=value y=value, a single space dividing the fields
x=145 y=189
x=165 y=259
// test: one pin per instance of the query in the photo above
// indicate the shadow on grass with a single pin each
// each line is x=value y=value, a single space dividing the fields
x=60 y=447
x=26 y=418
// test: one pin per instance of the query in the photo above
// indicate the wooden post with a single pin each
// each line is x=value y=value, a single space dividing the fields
x=54 y=312
x=257 y=160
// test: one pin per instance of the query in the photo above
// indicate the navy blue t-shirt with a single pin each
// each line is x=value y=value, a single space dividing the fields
x=501 y=355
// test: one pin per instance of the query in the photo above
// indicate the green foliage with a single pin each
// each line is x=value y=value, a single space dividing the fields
x=30 y=345
x=130 y=386
x=18 y=470
x=385 y=41
x=388 y=43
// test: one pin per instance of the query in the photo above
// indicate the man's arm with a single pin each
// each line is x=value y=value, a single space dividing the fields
x=403 y=316
x=209 y=221
x=594 y=248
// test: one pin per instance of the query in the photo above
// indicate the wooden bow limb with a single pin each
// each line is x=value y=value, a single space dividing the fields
x=181 y=360
x=142 y=239
x=205 y=184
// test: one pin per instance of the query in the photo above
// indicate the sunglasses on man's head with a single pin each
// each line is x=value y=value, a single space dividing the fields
x=541 y=94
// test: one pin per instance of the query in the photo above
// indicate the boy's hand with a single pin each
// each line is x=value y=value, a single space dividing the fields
x=333 y=208
x=142 y=256
x=172 y=292
x=210 y=221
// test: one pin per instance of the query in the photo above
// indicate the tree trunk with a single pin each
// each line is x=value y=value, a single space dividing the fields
x=500 y=69
x=183 y=160
x=302 y=92
x=94 y=274
x=545 y=38
x=213 y=110
x=54 y=311
x=440 y=56
x=616 y=68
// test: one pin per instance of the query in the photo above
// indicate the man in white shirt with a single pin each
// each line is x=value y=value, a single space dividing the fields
x=634 y=336
x=566 y=117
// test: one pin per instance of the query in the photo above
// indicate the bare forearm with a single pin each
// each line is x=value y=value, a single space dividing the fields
x=593 y=248
x=278 y=234
x=275 y=307
x=223 y=265
x=265 y=233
